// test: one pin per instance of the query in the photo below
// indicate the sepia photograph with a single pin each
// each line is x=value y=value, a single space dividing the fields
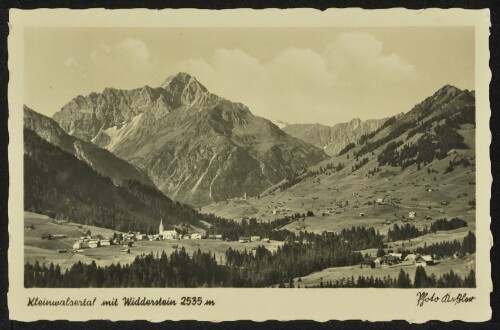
x=278 y=157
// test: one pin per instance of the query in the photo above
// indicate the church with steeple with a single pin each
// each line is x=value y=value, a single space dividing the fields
x=161 y=229
x=167 y=234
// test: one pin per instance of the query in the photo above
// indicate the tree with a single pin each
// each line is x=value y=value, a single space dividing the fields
x=420 y=280
x=380 y=252
x=403 y=280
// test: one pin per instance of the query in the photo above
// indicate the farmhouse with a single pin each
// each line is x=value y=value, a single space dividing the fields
x=367 y=263
x=389 y=260
x=361 y=214
x=244 y=239
x=411 y=257
x=380 y=201
x=78 y=245
x=94 y=243
x=423 y=261
x=266 y=240
x=196 y=236
x=412 y=215
x=254 y=238
x=396 y=255
x=105 y=242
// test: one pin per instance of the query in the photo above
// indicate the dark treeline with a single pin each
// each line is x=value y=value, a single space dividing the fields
x=347 y=148
x=178 y=270
x=359 y=165
x=403 y=281
x=433 y=144
x=368 y=136
x=233 y=230
x=457 y=161
x=409 y=231
x=396 y=131
x=63 y=187
x=444 y=224
x=405 y=232
x=446 y=249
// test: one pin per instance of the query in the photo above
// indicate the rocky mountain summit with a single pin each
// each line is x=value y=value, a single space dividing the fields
x=333 y=138
x=195 y=146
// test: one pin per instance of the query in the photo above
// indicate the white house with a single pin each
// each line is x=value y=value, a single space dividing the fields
x=77 y=245
x=105 y=242
x=195 y=236
x=94 y=243
x=411 y=257
x=254 y=238
x=396 y=255
x=412 y=215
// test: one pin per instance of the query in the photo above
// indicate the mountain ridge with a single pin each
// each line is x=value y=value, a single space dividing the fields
x=102 y=161
x=332 y=139
x=195 y=146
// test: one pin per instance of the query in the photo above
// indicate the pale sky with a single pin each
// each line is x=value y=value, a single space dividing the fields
x=298 y=75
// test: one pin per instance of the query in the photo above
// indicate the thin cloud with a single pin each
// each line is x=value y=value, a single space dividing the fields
x=132 y=48
x=71 y=62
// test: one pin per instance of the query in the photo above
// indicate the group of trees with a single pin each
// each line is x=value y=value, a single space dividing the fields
x=457 y=161
x=445 y=249
x=347 y=148
x=362 y=163
x=405 y=232
x=233 y=230
x=403 y=281
x=444 y=224
x=409 y=231
x=368 y=136
x=178 y=270
x=433 y=144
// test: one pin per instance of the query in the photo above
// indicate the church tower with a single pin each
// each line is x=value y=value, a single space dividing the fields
x=161 y=229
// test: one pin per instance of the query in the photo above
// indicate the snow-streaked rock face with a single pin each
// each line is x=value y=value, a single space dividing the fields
x=195 y=146
x=333 y=139
x=102 y=161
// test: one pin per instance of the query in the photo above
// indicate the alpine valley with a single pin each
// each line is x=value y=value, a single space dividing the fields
x=256 y=204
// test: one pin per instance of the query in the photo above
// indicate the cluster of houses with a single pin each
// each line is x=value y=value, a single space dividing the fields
x=247 y=239
x=391 y=259
x=174 y=234
x=88 y=242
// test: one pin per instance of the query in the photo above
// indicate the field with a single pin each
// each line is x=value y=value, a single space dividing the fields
x=461 y=267
x=45 y=251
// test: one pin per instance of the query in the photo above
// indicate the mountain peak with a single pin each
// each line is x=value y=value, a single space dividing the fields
x=181 y=79
x=447 y=90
